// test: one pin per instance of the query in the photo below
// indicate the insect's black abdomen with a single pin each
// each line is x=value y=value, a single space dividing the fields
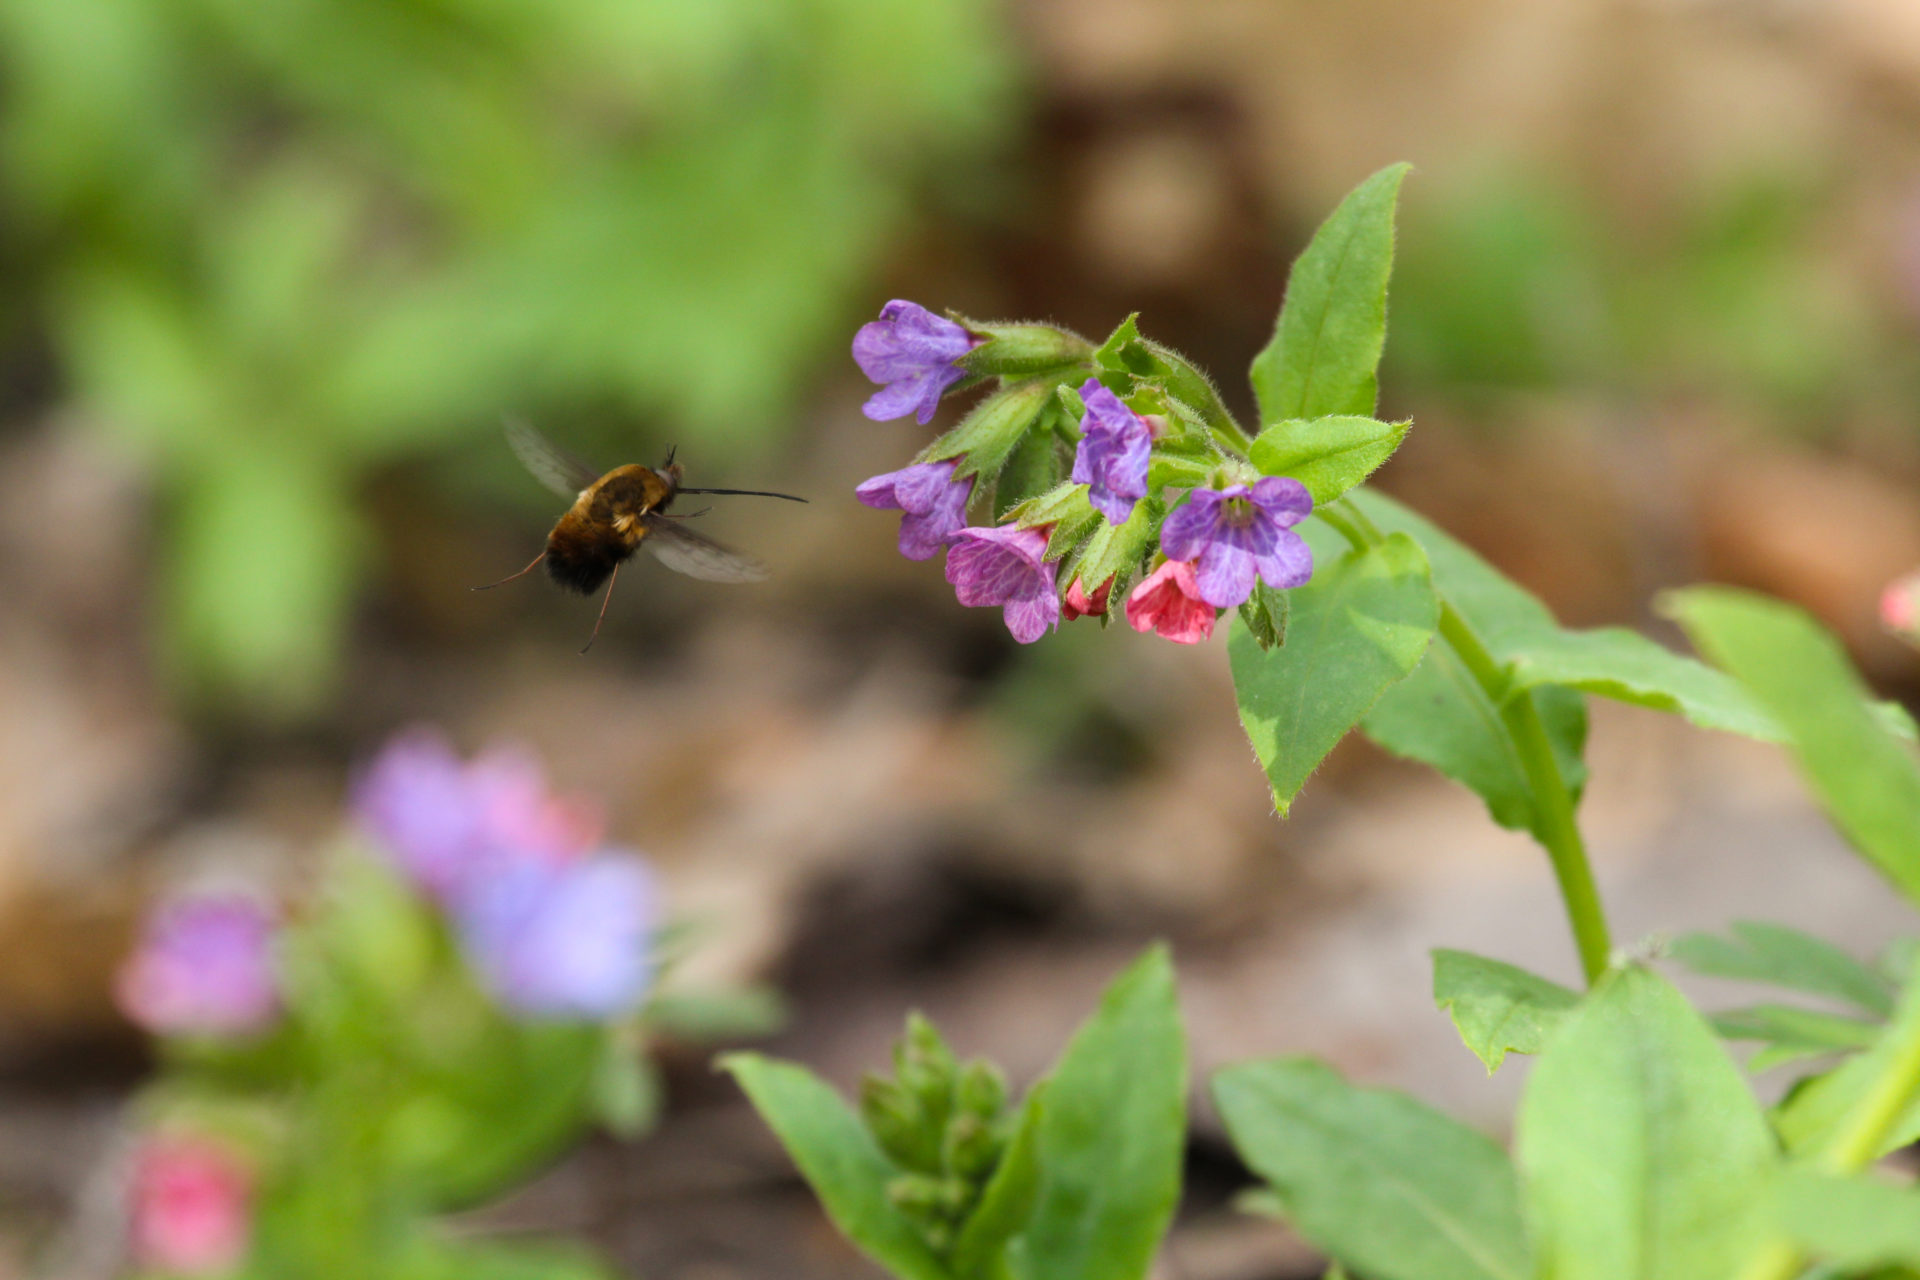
x=580 y=555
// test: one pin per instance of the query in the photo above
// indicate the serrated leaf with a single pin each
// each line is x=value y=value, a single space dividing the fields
x=1358 y=627
x=839 y=1160
x=1333 y=323
x=1867 y=780
x=1110 y=1136
x=1327 y=455
x=1440 y=715
x=1773 y=953
x=1386 y=1184
x=1498 y=1008
x=1643 y=1155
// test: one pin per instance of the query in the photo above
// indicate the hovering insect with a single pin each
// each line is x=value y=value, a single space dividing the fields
x=615 y=515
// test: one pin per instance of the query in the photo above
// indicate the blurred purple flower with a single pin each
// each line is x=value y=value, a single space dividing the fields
x=914 y=353
x=1006 y=566
x=204 y=966
x=1238 y=533
x=1115 y=445
x=192 y=1207
x=445 y=822
x=564 y=941
x=934 y=501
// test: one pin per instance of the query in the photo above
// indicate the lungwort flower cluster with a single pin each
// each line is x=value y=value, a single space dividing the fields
x=1087 y=474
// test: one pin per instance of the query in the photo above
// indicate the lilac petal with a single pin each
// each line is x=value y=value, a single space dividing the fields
x=1224 y=575
x=990 y=566
x=1190 y=528
x=880 y=492
x=1033 y=613
x=568 y=941
x=1256 y=537
x=1289 y=564
x=1284 y=499
x=921 y=488
x=205 y=966
x=918 y=394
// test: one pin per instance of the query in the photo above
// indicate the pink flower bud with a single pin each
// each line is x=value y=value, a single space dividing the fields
x=192 y=1207
x=1900 y=608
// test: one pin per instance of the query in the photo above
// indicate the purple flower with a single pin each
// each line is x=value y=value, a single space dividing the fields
x=563 y=941
x=444 y=821
x=934 y=501
x=1112 y=458
x=915 y=354
x=1235 y=533
x=1005 y=566
x=204 y=966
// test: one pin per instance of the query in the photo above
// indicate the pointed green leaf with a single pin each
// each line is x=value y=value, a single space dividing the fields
x=1827 y=1110
x=1789 y=1026
x=1333 y=323
x=1773 y=953
x=1496 y=1007
x=1388 y=1185
x=1007 y=1203
x=1440 y=715
x=1327 y=455
x=1356 y=629
x=1109 y=1139
x=1626 y=666
x=1643 y=1155
x=1867 y=780
x=839 y=1160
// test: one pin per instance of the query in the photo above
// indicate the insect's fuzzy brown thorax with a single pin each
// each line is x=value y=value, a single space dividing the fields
x=604 y=525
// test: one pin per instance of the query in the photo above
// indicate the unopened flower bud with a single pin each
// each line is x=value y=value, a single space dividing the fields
x=894 y=1118
x=973 y=1147
x=982 y=1090
x=1021 y=350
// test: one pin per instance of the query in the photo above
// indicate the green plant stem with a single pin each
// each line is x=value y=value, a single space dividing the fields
x=1554 y=824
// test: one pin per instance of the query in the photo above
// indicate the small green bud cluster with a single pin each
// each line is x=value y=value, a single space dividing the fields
x=944 y=1123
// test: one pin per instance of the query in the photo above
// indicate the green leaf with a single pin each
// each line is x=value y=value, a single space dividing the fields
x=1819 y=1110
x=1642 y=1153
x=1116 y=552
x=1356 y=629
x=1333 y=323
x=1123 y=351
x=1855 y=1222
x=1033 y=468
x=1626 y=666
x=1265 y=614
x=1867 y=780
x=1440 y=715
x=1327 y=455
x=839 y=1160
x=1496 y=1007
x=1799 y=1029
x=987 y=436
x=1109 y=1139
x=1391 y=1187
x=1773 y=953
x=1006 y=1204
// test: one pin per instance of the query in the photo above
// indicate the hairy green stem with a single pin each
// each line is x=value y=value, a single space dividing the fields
x=1554 y=825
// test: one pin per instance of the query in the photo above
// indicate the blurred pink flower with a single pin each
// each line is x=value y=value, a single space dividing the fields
x=1900 y=608
x=446 y=822
x=204 y=966
x=192 y=1207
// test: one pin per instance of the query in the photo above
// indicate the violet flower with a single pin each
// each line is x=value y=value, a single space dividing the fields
x=444 y=822
x=567 y=941
x=935 y=503
x=1006 y=566
x=1238 y=533
x=204 y=966
x=915 y=354
x=1115 y=444
x=191 y=1211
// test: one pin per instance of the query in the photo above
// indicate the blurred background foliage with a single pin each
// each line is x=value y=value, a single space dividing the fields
x=275 y=246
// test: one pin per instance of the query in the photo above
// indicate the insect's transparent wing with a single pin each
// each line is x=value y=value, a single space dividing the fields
x=551 y=465
x=684 y=551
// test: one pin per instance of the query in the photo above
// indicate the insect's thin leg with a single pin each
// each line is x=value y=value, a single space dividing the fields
x=611 y=579
x=510 y=577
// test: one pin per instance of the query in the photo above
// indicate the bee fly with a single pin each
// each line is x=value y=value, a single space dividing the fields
x=617 y=514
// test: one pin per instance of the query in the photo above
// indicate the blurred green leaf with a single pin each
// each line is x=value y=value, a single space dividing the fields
x=839 y=1160
x=1867 y=780
x=1773 y=953
x=1626 y=666
x=1006 y=1205
x=1643 y=1155
x=1357 y=628
x=1109 y=1138
x=717 y=1013
x=1498 y=1008
x=1820 y=1111
x=1790 y=1027
x=1855 y=1222
x=1381 y=1181
x=1333 y=323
